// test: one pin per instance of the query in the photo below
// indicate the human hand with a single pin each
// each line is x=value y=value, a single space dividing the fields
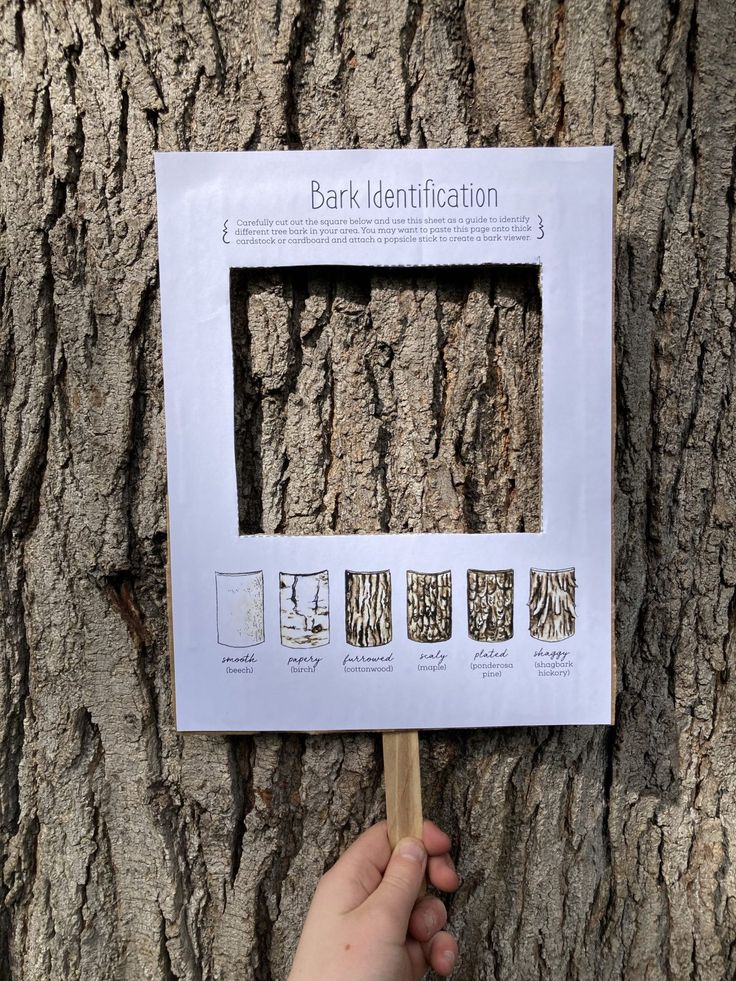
x=366 y=921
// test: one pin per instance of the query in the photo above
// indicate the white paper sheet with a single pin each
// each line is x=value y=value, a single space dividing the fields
x=268 y=632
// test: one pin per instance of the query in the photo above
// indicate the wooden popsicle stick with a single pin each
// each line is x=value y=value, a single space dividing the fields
x=403 y=783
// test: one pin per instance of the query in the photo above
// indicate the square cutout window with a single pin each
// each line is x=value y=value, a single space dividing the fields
x=388 y=400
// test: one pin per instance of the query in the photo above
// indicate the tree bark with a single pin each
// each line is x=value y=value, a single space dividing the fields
x=130 y=852
x=388 y=400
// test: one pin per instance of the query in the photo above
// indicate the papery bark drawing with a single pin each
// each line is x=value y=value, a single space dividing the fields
x=304 y=607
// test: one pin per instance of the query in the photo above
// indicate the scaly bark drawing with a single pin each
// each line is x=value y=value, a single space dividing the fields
x=429 y=606
x=305 y=609
x=368 y=608
x=491 y=604
x=552 y=604
x=239 y=600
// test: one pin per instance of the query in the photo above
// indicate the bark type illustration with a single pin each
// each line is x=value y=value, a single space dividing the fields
x=429 y=606
x=552 y=604
x=491 y=605
x=239 y=598
x=368 y=608
x=305 y=609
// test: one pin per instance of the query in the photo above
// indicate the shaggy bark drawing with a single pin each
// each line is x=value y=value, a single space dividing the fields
x=491 y=605
x=552 y=604
x=129 y=851
x=304 y=605
x=429 y=606
x=239 y=598
x=368 y=608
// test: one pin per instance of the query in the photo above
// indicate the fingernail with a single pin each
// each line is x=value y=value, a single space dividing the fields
x=450 y=959
x=450 y=862
x=412 y=849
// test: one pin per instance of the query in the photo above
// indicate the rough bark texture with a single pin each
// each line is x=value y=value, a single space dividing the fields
x=368 y=608
x=128 y=852
x=491 y=604
x=389 y=401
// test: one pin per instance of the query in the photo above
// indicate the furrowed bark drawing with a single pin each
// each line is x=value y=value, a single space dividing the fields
x=429 y=606
x=552 y=603
x=491 y=605
x=368 y=608
x=127 y=851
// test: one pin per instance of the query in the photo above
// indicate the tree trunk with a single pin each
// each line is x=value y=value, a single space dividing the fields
x=130 y=852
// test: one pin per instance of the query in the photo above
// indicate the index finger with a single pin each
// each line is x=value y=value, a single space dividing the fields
x=358 y=872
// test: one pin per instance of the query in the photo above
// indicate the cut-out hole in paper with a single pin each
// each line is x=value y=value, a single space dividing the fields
x=387 y=400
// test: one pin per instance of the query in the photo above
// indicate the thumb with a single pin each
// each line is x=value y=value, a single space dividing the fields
x=400 y=887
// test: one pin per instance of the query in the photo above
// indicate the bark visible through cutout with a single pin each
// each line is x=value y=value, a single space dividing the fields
x=429 y=606
x=552 y=604
x=491 y=605
x=387 y=400
x=305 y=609
x=368 y=608
x=239 y=599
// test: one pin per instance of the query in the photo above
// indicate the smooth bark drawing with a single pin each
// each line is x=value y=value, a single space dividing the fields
x=429 y=606
x=305 y=609
x=491 y=604
x=368 y=608
x=552 y=604
x=239 y=599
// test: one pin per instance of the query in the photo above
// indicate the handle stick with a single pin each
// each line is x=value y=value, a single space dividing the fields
x=402 y=778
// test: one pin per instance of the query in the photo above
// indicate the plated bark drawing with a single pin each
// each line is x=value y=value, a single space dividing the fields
x=304 y=605
x=368 y=608
x=491 y=605
x=552 y=604
x=239 y=601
